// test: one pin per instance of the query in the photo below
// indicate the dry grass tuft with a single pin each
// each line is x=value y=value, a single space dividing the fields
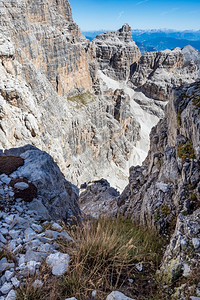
x=103 y=256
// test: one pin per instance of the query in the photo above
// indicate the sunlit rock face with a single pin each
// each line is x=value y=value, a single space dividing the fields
x=59 y=95
x=116 y=52
x=47 y=71
x=157 y=73
x=44 y=34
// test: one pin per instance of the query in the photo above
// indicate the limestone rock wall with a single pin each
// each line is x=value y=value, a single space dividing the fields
x=43 y=33
x=47 y=72
x=164 y=193
x=116 y=52
x=84 y=133
x=157 y=73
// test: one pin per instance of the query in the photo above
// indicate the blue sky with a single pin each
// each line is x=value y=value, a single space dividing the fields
x=140 y=14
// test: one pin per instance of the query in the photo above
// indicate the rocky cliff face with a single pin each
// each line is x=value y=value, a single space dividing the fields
x=43 y=59
x=164 y=193
x=44 y=34
x=53 y=96
x=116 y=52
x=157 y=73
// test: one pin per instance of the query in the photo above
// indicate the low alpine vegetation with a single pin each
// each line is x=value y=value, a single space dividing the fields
x=104 y=254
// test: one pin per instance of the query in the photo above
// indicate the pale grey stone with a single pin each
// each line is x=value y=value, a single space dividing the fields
x=4 y=265
x=9 y=275
x=35 y=255
x=117 y=296
x=32 y=265
x=29 y=234
x=14 y=233
x=5 y=179
x=21 y=185
x=196 y=243
x=2 y=239
x=5 y=289
x=94 y=293
x=2 y=280
x=36 y=227
x=37 y=283
x=12 y=295
x=15 y=282
x=186 y=270
x=59 y=262
x=54 y=234
x=56 y=226
x=130 y=280
x=139 y=267
x=12 y=245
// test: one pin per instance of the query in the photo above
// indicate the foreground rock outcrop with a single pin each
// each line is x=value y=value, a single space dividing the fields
x=37 y=180
x=33 y=195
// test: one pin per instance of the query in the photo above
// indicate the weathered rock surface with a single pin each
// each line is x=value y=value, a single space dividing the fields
x=51 y=95
x=116 y=52
x=28 y=231
x=164 y=193
x=44 y=34
x=98 y=198
x=191 y=55
x=157 y=73
x=40 y=182
x=44 y=59
x=117 y=296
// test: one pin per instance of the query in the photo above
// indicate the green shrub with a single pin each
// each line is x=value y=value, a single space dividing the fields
x=186 y=151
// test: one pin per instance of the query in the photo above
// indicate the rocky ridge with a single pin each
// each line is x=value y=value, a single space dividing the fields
x=157 y=73
x=164 y=193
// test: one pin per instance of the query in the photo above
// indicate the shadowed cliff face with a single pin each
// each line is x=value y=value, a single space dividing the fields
x=43 y=32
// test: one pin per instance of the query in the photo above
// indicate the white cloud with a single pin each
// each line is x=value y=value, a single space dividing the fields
x=141 y=2
x=167 y=12
x=121 y=13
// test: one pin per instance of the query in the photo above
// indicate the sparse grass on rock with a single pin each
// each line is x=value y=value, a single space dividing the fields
x=82 y=99
x=104 y=255
x=186 y=151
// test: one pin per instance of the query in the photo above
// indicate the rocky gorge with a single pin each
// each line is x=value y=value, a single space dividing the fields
x=73 y=112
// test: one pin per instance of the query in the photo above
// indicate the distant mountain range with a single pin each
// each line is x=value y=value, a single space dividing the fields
x=152 y=40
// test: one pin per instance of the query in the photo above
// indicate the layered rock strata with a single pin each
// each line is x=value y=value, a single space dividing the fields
x=53 y=96
x=44 y=58
x=157 y=73
x=116 y=52
x=44 y=34
x=164 y=193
